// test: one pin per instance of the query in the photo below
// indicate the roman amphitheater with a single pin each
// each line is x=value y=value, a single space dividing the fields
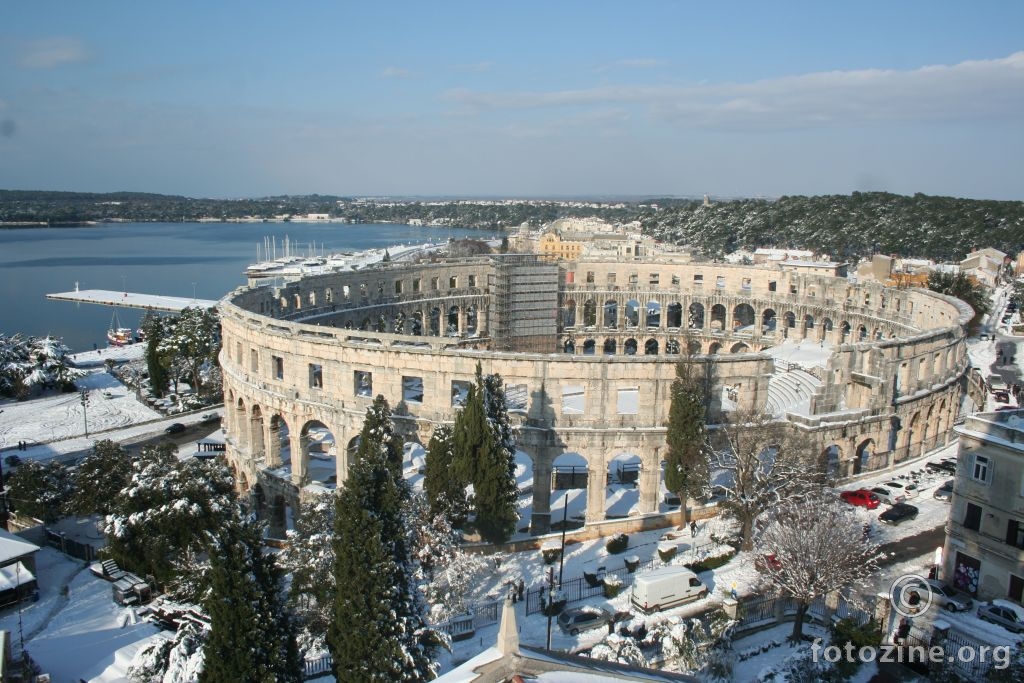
x=588 y=352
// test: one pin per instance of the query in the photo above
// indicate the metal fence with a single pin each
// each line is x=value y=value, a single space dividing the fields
x=81 y=551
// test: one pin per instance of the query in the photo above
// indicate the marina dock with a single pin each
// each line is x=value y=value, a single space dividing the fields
x=148 y=302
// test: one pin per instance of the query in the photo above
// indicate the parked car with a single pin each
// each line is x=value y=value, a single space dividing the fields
x=175 y=428
x=907 y=490
x=949 y=597
x=887 y=495
x=861 y=497
x=947 y=465
x=944 y=492
x=898 y=513
x=1004 y=613
x=767 y=563
x=577 y=619
x=1001 y=396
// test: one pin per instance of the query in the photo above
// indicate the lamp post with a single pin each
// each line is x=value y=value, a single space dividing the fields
x=561 y=555
x=193 y=292
x=85 y=415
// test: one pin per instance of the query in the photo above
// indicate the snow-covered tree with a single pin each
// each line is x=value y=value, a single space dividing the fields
x=819 y=546
x=35 y=363
x=252 y=632
x=99 y=478
x=178 y=660
x=688 y=643
x=447 y=573
x=485 y=457
x=377 y=632
x=446 y=493
x=165 y=509
x=761 y=464
x=309 y=558
x=619 y=649
x=40 y=490
x=192 y=338
x=687 y=471
x=157 y=364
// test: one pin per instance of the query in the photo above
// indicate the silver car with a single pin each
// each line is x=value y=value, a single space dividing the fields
x=949 y=597
x=1004 y=613
x=577 y=619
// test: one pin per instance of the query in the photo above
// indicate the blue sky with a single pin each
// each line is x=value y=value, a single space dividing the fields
x=234 y=99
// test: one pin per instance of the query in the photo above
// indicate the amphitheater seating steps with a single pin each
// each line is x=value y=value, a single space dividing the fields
x=790 y=391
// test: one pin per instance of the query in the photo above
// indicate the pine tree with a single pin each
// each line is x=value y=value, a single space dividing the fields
x=485 y=457
x=165 y=510
x=252 y=635
x=40 y=490
x=309 y=557
x=445 y=492
x=99 y=478
x=377 y=633
x=687 y=472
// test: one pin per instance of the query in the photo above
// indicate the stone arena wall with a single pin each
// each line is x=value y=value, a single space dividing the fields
x=311 y=355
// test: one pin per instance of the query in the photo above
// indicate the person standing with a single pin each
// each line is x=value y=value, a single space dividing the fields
x=693 y=528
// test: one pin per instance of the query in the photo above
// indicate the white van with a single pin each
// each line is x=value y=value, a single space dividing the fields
x=665 y=588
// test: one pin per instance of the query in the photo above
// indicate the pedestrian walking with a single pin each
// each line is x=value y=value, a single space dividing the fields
x=693 y=528
x=520 y=589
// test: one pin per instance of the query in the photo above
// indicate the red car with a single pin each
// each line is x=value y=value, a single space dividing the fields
x=767 y=563
x=861 y=497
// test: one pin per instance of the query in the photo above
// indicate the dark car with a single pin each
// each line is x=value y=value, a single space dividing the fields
x=944 y=492
x=175 y=428
x=898 y=513
x=947 y=465
x=577 y=619
x=861 y=497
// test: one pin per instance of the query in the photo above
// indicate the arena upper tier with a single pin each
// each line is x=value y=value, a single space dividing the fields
x=587 y=351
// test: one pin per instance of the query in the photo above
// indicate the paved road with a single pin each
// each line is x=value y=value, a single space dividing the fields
x=914 y=546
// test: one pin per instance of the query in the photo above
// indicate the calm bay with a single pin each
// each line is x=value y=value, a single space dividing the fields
x=204 y=260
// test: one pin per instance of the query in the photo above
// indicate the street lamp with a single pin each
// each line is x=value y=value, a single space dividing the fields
x=85 y=416
x=193 y=292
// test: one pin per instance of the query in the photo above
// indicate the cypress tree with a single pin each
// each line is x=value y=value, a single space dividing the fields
x=157 y=364
x=687 y=472
x=445 y=493
x=377 y=629
x=484 y=456
x=252 y=634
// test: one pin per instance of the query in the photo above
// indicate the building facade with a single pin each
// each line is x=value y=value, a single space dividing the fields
x=984 y=549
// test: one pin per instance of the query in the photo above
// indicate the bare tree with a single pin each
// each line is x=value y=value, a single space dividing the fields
x=818 y=547
x=760 y=463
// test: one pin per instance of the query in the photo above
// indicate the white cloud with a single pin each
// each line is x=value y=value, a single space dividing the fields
x=968 y=90
x=48 y=53
x=395 y=72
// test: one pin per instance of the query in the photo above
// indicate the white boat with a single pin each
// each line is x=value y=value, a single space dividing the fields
x=119 y=336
